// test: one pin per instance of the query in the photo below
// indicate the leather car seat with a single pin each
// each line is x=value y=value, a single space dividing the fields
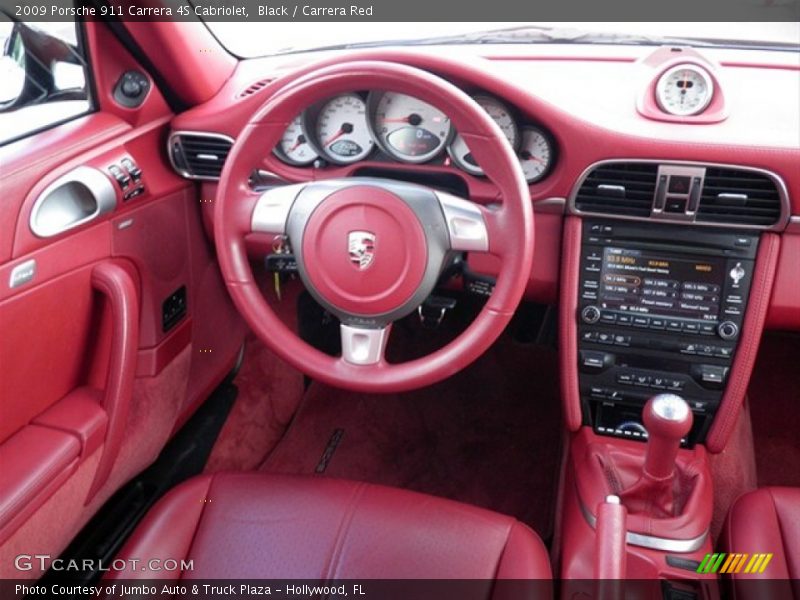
x=267 y=526
x=766 y=521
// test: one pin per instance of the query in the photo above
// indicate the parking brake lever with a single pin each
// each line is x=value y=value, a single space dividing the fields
x=610 y=549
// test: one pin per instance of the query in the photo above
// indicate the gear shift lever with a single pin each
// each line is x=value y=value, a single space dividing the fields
x=668 y=419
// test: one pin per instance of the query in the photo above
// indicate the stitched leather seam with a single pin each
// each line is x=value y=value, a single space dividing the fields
x=341 y=532
x=784 y=545
x=735 y=396
x=189 y=553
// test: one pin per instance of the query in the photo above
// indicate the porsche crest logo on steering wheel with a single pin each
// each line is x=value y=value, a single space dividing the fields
x=361 y=247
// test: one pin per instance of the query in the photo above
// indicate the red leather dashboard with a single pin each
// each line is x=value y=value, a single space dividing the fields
x=552 y=88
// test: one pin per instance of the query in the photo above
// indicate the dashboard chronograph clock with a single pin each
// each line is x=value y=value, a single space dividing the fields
x=684 y=90
x=407 y=128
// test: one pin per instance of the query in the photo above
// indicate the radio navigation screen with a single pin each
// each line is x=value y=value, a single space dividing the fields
x=637 y=281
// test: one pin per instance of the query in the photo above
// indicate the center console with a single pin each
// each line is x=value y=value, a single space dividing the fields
x=660 y=309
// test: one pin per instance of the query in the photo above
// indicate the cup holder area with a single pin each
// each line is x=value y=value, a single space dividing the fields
x=73 y=199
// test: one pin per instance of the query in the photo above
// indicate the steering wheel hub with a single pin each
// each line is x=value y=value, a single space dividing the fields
x=364 y=250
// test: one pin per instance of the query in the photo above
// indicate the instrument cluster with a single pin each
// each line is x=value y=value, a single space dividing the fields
x=353 y=127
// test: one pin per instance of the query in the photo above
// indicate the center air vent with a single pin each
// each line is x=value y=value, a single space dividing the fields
x=740 y=197
x=199 y=155
x=623 y=188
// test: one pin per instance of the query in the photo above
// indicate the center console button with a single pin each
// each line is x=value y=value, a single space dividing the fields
x=710 y=376
x=674 y=385
x=720 y=352
x=673 y=325
x=641 y=321
x=624 y=320
x=691 y=328
x=605 y=338
x=622 y=340
x=659 y=383
x=642 y=380
x=608 y=317
x=657 y=323
x=708 y=328
x=625 y=378
x=594 y=362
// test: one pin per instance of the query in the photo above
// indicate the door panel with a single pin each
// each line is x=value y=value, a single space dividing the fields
x=93 y=378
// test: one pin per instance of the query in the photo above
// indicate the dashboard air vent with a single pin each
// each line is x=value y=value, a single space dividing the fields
x=740 y=197
x=199 y=155
x=624 y=188
x=254 y=87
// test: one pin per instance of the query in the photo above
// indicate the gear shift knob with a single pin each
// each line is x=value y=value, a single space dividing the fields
x=668 y=419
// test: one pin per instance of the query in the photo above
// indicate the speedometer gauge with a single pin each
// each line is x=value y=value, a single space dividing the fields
x=293 y=148
x=684 y=90
x=407 y=128
x=341 y=130
x=535 y=154
x=458 y=149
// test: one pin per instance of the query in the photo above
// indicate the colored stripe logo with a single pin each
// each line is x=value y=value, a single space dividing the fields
x=722 y=562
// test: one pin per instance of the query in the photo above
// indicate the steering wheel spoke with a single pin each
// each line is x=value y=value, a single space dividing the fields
x=466 y=224
x=364 y=346
x=271 y=210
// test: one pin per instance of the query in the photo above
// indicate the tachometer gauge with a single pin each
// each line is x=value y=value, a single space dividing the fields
x=293 y=148
x=341 y=130
x=458 y=149
x=406 y=128
x=535 y=154
x=684 y=90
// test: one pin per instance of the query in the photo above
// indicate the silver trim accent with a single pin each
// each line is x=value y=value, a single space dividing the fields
x=465 y=224
x=727 y=196
x=779 y=225
x=23 y=273
x=670 y=407
x=363 y=346
x=662 y=84
x=611 y=188
x=651 y=541
x=184 y=172
x=553 y=206
x=612 y=499
x=272 y=209
x=59 y=208
x=793 y=226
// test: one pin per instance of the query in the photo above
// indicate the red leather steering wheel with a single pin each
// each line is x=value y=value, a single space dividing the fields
x=370 y=250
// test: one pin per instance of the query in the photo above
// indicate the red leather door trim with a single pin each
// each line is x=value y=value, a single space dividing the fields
x=81 y=414
x=35 y=462
x=753 y=328
x=115 y=281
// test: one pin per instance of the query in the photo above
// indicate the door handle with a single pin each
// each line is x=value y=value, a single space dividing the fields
x=116 y=283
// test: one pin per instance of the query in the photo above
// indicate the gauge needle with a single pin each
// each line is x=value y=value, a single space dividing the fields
x=334 y=137
x=527 y=156
x=345 y=128
x=300 y=141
